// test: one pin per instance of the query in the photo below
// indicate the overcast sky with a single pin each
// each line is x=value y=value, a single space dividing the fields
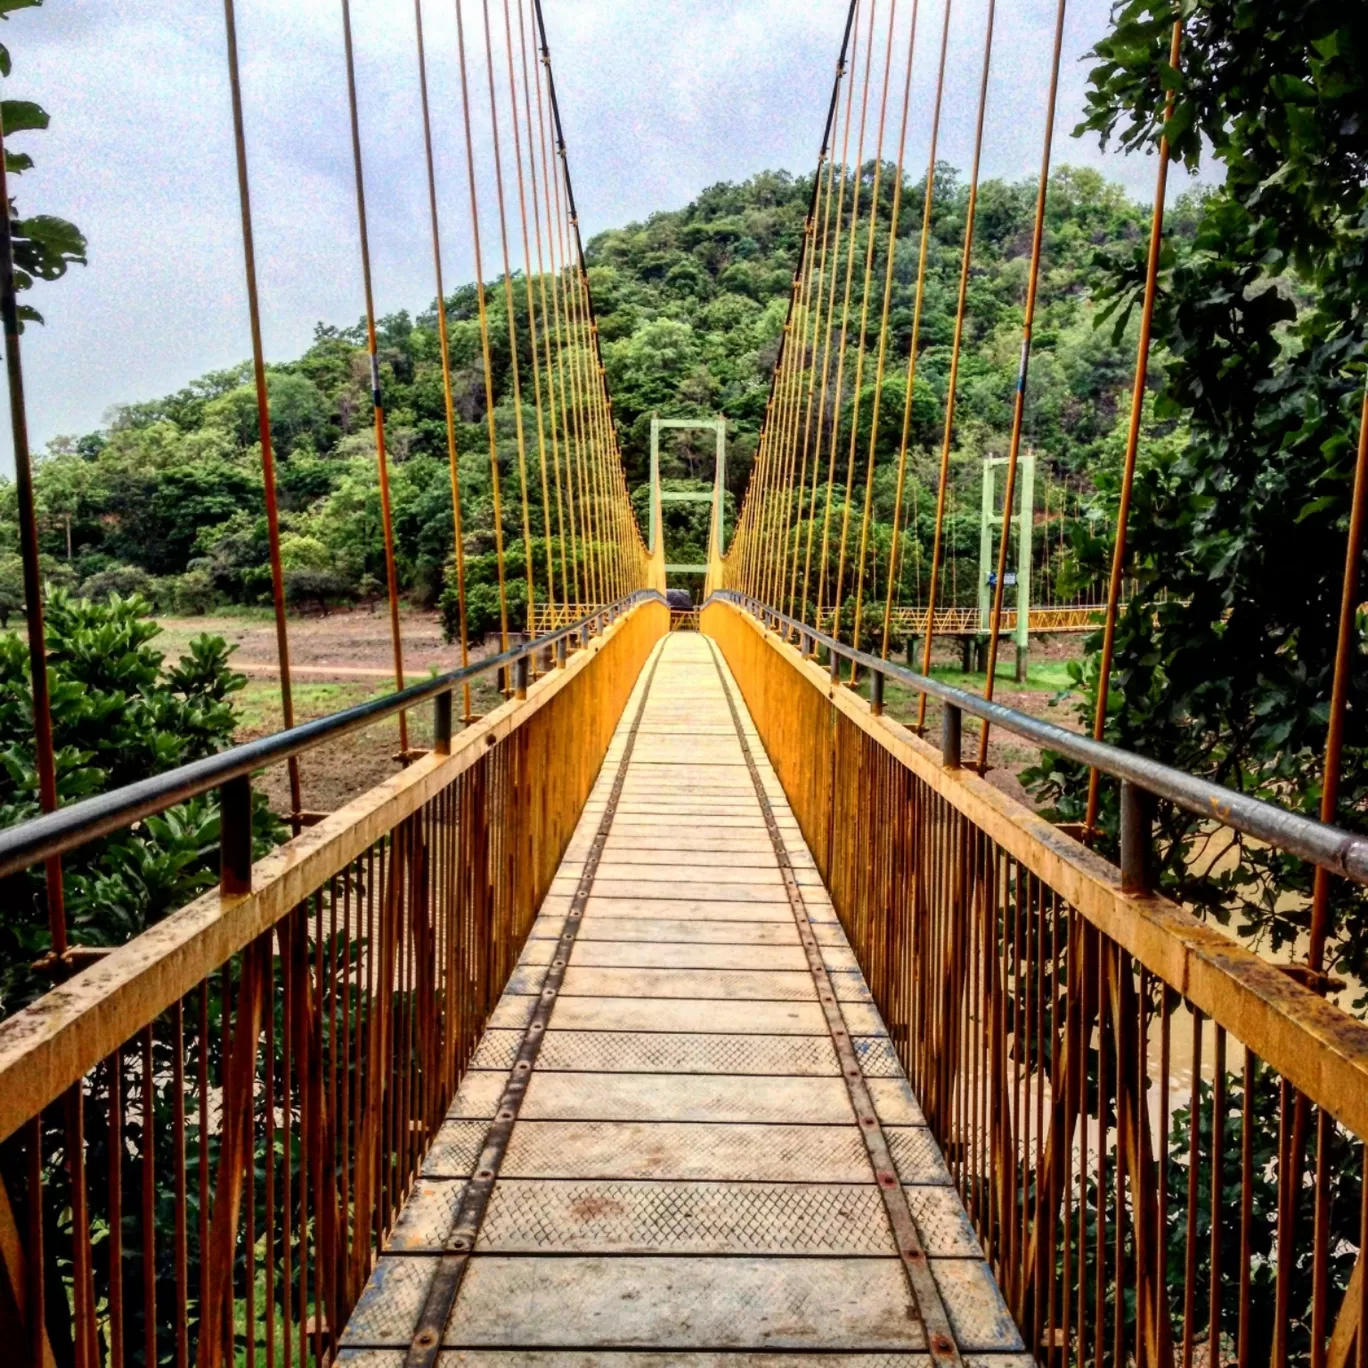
x=659 y=100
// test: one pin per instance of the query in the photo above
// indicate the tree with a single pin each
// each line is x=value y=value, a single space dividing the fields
x=119 y=714
x=1225 y=654
x=44 y=246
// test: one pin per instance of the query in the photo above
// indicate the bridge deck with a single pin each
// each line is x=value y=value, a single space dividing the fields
x=669 y=1167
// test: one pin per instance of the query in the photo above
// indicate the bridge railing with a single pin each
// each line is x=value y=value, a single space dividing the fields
x=1158 y=1134
x=205 y=1136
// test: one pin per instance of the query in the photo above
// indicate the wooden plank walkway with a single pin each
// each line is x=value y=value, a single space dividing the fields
x=656 y=1157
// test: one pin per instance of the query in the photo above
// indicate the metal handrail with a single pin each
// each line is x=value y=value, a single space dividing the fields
x=1330 y=847
x=68 y=828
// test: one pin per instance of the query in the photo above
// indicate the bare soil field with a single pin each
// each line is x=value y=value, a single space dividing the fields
x=336 y=662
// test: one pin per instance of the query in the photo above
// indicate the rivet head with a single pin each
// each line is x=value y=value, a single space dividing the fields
x=425 y=1338
x=485 y=1173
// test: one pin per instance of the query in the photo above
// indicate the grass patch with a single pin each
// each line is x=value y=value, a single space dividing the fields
x=259 y=703
x=1045 y=676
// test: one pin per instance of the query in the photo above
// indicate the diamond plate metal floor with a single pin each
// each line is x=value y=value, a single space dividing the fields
x=686 y=1181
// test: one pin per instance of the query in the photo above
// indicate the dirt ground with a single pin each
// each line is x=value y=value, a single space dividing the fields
x=347 y=644
x=346 y=658
x=336 y=662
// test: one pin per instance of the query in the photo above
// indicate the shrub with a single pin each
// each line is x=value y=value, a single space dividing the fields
x=118 y=580
x=321 y=586
x=193 y=593
x=118 y=715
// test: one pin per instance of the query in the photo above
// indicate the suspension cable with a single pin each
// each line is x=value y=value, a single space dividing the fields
x=1019 y=407
x=44 y=752
x=495 y=491
x=444 y=346
x=837 y=403
x=862 y=335
x=1339 y=696
x=815 y=310
x=568 y=589
x=1137 y=408
x=952 y=385
x=952 y=382
x=529 y=291
x=888 y=299
x=853 y=36
x=559 y=269
x=512 y=319
x=268 y=477
x=377 y=400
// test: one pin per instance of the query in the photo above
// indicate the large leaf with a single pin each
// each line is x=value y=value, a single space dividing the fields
x=20 y=116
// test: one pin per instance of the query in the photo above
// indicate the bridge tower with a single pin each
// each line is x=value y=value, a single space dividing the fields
x=1020 y=577
x=717 y=529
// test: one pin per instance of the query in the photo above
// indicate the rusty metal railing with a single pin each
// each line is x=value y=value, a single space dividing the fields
x=1340 y=852
x=205 y=1136
x=1158 y=1134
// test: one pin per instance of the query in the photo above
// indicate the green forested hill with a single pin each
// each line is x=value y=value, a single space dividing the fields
x=691 y=303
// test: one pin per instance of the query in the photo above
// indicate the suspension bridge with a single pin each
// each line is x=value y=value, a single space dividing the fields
x=685 y=1007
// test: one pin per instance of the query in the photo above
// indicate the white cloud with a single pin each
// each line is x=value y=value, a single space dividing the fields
x=658 y=100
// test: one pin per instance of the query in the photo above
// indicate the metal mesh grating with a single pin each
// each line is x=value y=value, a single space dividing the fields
x=686 y=1218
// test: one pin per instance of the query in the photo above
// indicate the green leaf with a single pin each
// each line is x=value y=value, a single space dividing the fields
x=1310 y=510
x=1329 y=45
x=21 y=116
x=1293 y=89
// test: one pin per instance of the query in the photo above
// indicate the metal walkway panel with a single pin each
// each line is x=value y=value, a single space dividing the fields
x=657 y=1155
x=661 y=1053
x=744 y=1016
x=627 y=1358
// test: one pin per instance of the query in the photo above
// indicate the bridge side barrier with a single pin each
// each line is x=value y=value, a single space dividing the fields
x=205 y=1136
x=1053 y=1013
